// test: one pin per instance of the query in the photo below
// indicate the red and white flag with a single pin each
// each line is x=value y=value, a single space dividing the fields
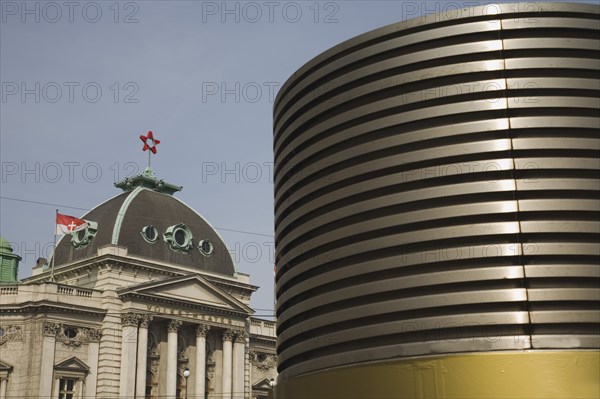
x=66 y=224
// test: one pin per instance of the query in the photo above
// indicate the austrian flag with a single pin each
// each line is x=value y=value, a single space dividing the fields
x=66 y=224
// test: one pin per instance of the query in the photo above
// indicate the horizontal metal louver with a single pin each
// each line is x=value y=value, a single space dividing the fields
x=437 y=190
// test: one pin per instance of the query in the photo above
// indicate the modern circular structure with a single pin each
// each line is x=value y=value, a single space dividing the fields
x=436 y=209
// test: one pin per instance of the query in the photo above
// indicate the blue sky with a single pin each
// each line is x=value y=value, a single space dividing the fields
x=82 y=80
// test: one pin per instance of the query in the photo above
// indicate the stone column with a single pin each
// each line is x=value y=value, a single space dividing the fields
x=200 y=375
x=173 y=327
x=94 y=335
x=129 y=321
x=227 y=338
x=142 y=356
x=81 y=383
x=3 y=385
x=47 y=370
x=239 y=347
x=56 y=388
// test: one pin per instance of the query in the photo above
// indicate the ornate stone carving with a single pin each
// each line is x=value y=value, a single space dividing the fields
x=263 y=361
x=210 y=358
x=71 y=343
x=202 y=330
x=228 y=335
x=210 y=376
x=174 y=326
x=72 y=336
x=153 y=366
x=14 y=333
x=252 y=355
x=130 y=319
x=181 y=348
x=10 y=333
x=145 y=320
x=152 y=344
x=78 y=336
x=211 y=365
x=94 y=334
x=52 y=329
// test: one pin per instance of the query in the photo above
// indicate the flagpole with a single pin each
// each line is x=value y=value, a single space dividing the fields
x=54 y=249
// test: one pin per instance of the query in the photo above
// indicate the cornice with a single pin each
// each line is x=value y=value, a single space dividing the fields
x=263 y=339
x=49 y=306
x=218 y=280
x=96 y=262
x=182 y=304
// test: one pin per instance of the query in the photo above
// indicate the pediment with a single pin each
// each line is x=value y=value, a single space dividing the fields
x=72 y=364
x=187 y=290
x=265 y=383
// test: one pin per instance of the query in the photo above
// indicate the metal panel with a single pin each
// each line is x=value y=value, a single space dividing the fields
x=436 y=189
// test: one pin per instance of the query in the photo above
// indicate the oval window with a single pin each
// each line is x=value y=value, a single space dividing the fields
x=83 y=237
x=206 y=248
x=150 y=233
x=179 y=237
x=70 y=332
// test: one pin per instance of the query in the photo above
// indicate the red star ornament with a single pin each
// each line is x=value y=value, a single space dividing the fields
x=150 y=142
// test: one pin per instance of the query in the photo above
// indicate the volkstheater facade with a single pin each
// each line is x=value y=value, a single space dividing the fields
x=436 y=209
x=145 y=292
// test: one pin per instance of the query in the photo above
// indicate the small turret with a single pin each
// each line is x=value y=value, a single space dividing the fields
x=9 y=263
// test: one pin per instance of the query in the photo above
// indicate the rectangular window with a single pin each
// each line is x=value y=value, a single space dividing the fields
x=66 y=388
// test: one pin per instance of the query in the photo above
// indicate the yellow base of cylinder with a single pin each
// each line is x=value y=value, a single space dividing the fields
x=490 y=375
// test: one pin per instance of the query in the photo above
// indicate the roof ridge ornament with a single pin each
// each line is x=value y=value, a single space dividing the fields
x=148 y=178
x=149 y=181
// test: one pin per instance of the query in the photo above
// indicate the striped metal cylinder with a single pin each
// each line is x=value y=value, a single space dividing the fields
x=436 y=189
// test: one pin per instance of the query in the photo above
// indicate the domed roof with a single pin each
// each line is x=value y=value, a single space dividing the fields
x=150 y=223
x=5 y=245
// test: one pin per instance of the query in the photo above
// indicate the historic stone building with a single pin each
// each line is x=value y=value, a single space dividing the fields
x=145 y=303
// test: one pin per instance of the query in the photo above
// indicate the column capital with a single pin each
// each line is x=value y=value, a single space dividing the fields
x=130 y=319
x=202 y=330
x=145 y=320
x=228 y=335
x=240 y=336
x=174 y=325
